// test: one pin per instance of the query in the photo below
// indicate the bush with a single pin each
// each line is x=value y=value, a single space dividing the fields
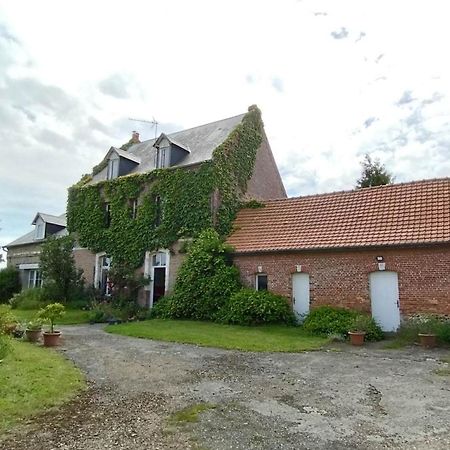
x=7 y=319
x=162 y=309
x=327 y=320
x=250 y=307
x=424 y=323
x=50 y=313
x=9 y=283
x=33 y=298
x=205 y=282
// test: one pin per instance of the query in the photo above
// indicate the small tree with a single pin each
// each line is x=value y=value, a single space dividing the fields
x=9 y=283
x=50 y=313
x=58 y=267
x=373 y=173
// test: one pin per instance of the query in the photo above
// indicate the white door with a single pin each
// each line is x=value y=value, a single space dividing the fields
x=385 y=300
x=300 y=294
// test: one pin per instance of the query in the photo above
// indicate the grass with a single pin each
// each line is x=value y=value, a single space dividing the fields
x=71 y=317
x=190 y=414
x=268 y=338
x=33 y=379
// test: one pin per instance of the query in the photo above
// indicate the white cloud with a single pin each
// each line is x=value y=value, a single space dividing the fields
x=70 y=80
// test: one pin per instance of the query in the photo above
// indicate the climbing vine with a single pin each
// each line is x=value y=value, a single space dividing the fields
x=185 y=206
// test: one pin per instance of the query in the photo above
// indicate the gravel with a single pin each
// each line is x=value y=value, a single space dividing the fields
x=340 y=398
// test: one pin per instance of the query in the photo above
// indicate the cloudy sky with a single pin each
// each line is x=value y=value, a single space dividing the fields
x=335 y=79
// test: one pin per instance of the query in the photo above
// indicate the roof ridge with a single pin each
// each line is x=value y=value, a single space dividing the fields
x=350 y=191
x=191 y=128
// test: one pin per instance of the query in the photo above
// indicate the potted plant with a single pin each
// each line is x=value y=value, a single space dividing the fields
x=34 y=330
x=427 y=326
x=358 y=330
x=49 y=314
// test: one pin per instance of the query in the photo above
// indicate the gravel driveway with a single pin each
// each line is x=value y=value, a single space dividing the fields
x=337 y=399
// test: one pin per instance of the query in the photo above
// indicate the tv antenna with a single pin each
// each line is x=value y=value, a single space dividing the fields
x=154 y=123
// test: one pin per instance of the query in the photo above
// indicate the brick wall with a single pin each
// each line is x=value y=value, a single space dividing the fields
x=342 y=278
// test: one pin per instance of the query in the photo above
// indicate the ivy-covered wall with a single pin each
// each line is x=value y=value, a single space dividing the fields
x=185 y=200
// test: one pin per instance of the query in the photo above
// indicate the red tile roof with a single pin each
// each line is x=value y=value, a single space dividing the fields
x=397 y=214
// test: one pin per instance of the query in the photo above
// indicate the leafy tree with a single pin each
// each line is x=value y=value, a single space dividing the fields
x=9 y=283
x=60 y=276
x=373 y=173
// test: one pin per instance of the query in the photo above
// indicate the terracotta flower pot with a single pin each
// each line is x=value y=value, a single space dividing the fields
x=427 y=340
x=51 y=339
x=33 y=335
x=357 y=337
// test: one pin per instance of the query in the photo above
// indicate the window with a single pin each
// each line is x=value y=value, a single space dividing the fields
x=158 y=213
x=161 y=157
x=40 y=230
x=107 y=215
x=159 y=259
x=34 y=278
x=261 y=282
x=113 y=168
x=133 y=208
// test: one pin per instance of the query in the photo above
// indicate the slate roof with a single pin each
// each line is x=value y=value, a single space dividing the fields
x=201 y=142
x=413 y=213
x=29 y=238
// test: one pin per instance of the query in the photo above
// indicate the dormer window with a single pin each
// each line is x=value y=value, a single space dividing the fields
x=113 y=167
x=40 y=230
x=162 y=155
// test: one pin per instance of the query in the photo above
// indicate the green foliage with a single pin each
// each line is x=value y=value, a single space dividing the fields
x=34 y=324
x=373 y=173
x=7 y=318
x=250 y=307
x=32 y=298
x=205 y=281
x=61 y=277
x=424 y=323
x=185 y=200
x=9 y=283
x=51 y=313
x=328 y=320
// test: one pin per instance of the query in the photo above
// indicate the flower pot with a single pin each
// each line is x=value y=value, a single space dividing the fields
x=427 y=340
x=356 y=337
x=51 y=339
x=33 y=335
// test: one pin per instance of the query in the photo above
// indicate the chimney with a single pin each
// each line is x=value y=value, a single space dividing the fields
x=135 y=137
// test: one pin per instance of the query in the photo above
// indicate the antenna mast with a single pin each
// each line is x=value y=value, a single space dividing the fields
x=154 y=123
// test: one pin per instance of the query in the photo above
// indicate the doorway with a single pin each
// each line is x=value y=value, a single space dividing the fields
x=300 y=294
x=384 y=298
x=156 y=268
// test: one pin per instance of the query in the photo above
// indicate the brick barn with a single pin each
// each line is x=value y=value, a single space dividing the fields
x=384 y=250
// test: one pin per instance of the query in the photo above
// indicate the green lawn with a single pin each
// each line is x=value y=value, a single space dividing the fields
x=269 y=338
x=72 y=316
x=32 y=379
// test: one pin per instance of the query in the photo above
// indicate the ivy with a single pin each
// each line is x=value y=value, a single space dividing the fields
x=185 y=200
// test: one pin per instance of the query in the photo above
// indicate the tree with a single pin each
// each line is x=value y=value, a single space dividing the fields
x=59 y=274
x=373 y=173
x=9 y=283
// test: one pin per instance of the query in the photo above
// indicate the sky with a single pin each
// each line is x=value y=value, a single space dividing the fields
x=335 y=79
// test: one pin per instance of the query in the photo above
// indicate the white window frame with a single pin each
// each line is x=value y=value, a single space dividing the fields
x=113 y=167
x=149 y=272
x=39 y=229
x=34 y=278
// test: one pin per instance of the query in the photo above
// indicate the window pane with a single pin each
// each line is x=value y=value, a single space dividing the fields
x=261 y=282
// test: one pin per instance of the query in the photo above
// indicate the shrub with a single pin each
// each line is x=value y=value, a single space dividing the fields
x=162 y=309
x=7 y=319
x=206 y=280
x=33 y=298
x=250 y=307
x=424 y=323
x=9 y=283
x=327 y=320
x=50 y=313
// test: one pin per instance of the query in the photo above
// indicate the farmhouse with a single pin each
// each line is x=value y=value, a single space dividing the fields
x=384 y=250
x=144 y=200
